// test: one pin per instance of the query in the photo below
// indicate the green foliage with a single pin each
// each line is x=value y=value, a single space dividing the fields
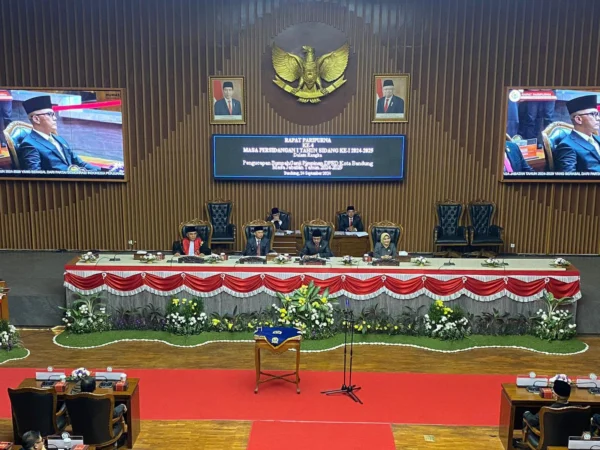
x=555 y=324
x=87 y=315
x=9 y=336
x=445 y=323
x=185 y=317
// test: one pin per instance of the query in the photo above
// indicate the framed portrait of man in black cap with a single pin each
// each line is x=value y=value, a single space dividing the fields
x=390 y=95
x=227 y=103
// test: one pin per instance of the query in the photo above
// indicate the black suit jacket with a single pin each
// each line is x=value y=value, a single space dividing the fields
x=380 y=250
x=251 y=247
x=514 y=155
x=396 y=106
x=178 y=248
x=222 y=110
x=37 y=153
x=356 y=223
x=282 y=224
x=575 y=154
x=311 y=249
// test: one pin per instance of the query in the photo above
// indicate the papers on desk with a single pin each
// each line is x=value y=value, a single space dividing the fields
x=284 y=233
x=351 y=233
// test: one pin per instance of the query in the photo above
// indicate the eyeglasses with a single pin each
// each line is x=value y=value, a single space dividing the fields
x=594 y=114
x=51 y=114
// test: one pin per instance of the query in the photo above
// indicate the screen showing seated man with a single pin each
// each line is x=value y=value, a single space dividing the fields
x=552 y=134
x=62 y=134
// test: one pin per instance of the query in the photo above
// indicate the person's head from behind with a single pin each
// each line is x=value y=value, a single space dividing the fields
x=584 y=114
x=316 y=237
x=228 y=90
x=562 y=390
x=40 y=113
x=385 y=239
x=350 y=211
x=88 y=384
x=275 y=213
x=388 y=88
x=259 y=232
x=32 y=440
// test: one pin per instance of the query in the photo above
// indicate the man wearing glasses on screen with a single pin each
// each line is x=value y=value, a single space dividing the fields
x=43 y=149
x=580 y=151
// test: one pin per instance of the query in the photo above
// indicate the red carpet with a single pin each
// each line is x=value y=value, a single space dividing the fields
x=320 y=436
x=229 y=395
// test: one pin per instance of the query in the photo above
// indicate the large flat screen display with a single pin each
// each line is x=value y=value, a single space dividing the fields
x=62 y=134
x=313 y=158
x=552 y=135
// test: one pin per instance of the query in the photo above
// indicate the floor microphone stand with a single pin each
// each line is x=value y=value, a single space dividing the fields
x=347 y=389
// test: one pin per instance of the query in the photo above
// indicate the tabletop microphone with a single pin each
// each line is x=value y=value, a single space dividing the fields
x=114 y=258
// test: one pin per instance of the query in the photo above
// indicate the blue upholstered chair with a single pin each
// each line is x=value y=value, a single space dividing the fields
x=14 y=133
x=395 y=231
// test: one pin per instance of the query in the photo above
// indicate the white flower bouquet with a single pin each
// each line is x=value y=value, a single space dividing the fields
x=213 y=258
x=560 y=262
x=88 y=257
x=79 y=374
x=421 y=261
x=282 y=259
x=149 y=258
x=493 y=262
x=348 y=260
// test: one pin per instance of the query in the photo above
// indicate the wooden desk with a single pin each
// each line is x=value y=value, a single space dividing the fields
x=130 y=397
x=339 y=245
x=515 y=401
x=18 y=447
x=558 y=448
x=3 y=303
x=289 y=344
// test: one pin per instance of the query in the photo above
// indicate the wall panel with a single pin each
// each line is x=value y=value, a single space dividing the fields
x=460 y=55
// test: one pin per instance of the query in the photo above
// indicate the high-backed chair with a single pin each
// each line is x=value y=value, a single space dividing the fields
x=92 y=417
x=35 y=409
x=395 y=231
x=219 y=215
x=204 y=229
x=342 y=215
x=481 y=231
x=327 y=230
x=449 y=232
x=552 y=136
x=14 y=133
x=268 y=228
x=284 y=216
x=556 y=425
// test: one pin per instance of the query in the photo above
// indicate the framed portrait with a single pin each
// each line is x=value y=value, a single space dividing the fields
x=390 y=97
x=227 y=100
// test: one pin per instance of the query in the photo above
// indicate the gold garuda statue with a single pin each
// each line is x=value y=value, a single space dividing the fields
x=310 y=72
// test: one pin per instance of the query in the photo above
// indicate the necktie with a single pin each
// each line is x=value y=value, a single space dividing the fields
x=229 y=106
x=507 y=165
x=387 y=103
x=593 y=143
x=58 y=147
x=350 y=222
x=258 y=247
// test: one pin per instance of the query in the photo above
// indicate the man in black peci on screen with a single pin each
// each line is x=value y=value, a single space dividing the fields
x=43 y=149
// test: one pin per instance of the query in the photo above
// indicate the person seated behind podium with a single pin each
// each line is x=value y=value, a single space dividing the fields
x=43 y=149
x=191 y=244
x=258 y=245
x=561 y=391
x=351 y=222
x=88 y=384
x=595 y=425
x=32 y=440
x=385 y=249
x=514 y=160
x=316 y=247
x=278 y=221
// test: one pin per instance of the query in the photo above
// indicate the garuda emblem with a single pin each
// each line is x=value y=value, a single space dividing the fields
x=310 y=72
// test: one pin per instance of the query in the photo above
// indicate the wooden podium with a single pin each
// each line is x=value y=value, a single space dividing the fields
x=3 y=303
x=260 y=344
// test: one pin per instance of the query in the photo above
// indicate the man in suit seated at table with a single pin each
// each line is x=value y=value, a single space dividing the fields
x=191 y=244
x=43 y=149
x=279 y=222
x=580 y=150
x=595 y=425
x=32 y=440
x=351 y=222
x=259 y=245
x=514 y=160
x=561 y=390
x=316 y=247
x=88 y=384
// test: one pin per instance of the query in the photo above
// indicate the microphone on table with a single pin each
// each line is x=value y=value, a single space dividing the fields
x=449 y=263
x=114 y=258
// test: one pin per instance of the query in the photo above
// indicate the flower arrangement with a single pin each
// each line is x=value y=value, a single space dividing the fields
x=9 y=336
x=86 y=315
x=446 y=323
x=554 y=324
x=307 y=309
x=88 y=257
x=185 y=317
x=492 y=262
x=421 y=261
x=79 y=374
x=348 y=260
x=560 y=262
x=213 y=259
x=282 y=259
x=149 y=258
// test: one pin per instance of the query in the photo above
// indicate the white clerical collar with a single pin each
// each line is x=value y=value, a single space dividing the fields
x=44 y=135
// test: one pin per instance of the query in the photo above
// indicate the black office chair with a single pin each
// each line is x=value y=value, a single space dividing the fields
x=35 y=409
x=552 y=136
x=340 y=215
x=92 y=417
x=14 y=133
x=285 y=217
x=326 y=228
x=449 y=232
x=482 y=233
x=219 y=215
x=396 y=232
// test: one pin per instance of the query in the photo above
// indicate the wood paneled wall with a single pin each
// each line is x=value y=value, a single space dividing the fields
x=460 y=53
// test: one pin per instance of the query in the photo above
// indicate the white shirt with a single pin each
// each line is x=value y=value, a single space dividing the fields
x=589 y=139
x=53 y=142
x=191 y=249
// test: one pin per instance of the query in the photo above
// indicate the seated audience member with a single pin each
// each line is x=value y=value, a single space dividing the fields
x=351 y=222
x=514 y=160
x=580 y=150
x=385 y=249
x=191 y=244
x=316 y=247
x=88 y=384
x=259 y=245
x=32 y=440
x=43 y=149
x=280 y=223
x=561 y=391
x=595 y=427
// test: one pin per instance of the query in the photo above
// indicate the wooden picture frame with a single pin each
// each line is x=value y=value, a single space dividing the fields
x=391 y=97
x=220 y=112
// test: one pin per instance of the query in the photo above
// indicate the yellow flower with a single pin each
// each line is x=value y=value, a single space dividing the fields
x=395 y=327
x=364 y=323
x=439 y=303
x=287 y=298
x=315 y=304
x=282 y=310
x=216 y=321
x=184 y=301
x=369 y=326
x=250 y=325
x=230 y=326
x=175 y=301
x=324 y=300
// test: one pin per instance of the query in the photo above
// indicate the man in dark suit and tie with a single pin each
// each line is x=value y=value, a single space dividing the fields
x=389 y=103
x=316 y=247
x=580 y=150
x=514 y=160
x=351 y=222
x=43 y=149
x=228 y=106
x=259 y=245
